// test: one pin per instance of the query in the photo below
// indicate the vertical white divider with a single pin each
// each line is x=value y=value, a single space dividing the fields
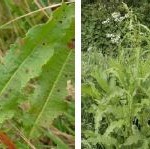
x=77 y=74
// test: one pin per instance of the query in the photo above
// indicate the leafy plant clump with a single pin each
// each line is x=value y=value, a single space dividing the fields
x=37 y=85
x=116 y=93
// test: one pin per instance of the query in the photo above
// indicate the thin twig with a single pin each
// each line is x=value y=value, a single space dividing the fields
x=28 y=14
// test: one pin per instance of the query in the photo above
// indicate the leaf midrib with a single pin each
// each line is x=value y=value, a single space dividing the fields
x=51 y=92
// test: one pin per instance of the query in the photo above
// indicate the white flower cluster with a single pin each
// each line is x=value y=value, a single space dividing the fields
x=106 y=21
x=114 y=38
x=117 y=16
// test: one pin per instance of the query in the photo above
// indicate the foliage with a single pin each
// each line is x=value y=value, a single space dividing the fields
x=98 y=22
x=11 y=9
x=101 y=24
x=37 y=76
x=115 y=91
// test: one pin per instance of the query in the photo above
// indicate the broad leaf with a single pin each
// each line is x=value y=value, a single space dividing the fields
x=35 y=72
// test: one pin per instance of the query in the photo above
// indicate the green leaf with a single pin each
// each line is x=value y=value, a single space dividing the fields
x=102 y=139
x=49 y=99
x=35 y=72
x=101 y=78
x=116 y=124
x=5 y=116
x=25 y=60
x=132 y=140
x=90 y=89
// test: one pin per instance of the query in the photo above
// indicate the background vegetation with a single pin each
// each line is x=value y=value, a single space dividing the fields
x=101 y=11
x=37 y=74
x=115 y=75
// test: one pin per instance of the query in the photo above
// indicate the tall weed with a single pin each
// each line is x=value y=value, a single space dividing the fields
x=115 y=92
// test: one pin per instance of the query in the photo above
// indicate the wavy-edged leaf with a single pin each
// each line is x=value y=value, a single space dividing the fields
x=115 y=124
x=90 y=89
x=101 y=139
x=101 y=78
x=25 y=59
x=48 y=99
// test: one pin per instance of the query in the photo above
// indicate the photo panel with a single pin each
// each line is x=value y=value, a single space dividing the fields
x=115 y=80
x=37 y=74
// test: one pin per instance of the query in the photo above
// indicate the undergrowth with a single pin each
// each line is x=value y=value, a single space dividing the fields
x=116 y=92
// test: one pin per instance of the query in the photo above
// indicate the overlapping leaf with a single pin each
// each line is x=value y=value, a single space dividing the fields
x=35 y=71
